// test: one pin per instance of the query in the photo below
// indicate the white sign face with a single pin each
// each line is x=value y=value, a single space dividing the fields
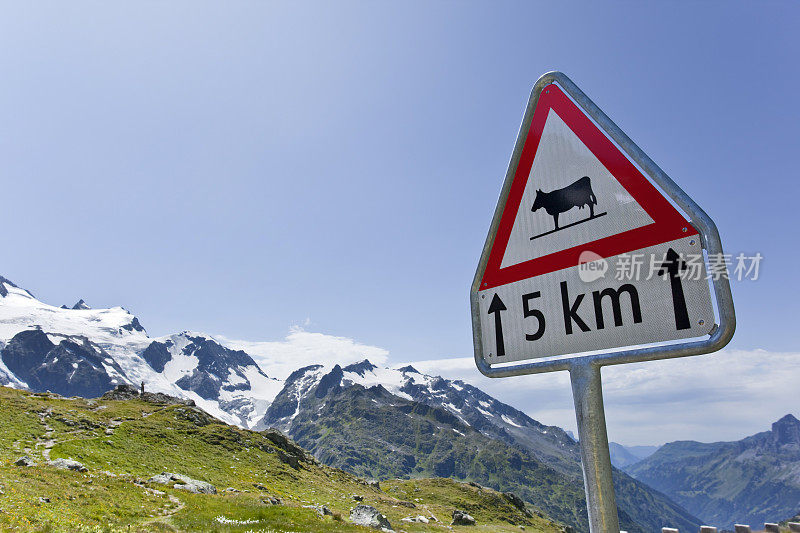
x=588 y=255
x=594 y=306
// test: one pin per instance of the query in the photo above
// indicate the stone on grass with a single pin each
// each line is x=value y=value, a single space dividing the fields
x=68 y=464
x=461 y=518
x=184 y=483
x=366 y=515
x=24 y=461
x=322 y=510
x=416 y=519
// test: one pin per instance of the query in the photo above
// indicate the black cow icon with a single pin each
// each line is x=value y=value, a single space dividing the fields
x=578 y=194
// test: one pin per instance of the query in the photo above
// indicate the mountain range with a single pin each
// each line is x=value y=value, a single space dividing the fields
x=371 y=421
x=753 y=480
x=622 y=456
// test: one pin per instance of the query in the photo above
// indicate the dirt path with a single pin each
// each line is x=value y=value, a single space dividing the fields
x=47 y=441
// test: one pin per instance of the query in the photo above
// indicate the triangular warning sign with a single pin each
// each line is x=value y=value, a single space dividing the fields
x=573 y=191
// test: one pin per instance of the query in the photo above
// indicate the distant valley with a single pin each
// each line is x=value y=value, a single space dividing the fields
x=753 y=480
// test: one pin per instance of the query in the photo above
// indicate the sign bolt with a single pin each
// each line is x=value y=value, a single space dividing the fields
x=701 y=322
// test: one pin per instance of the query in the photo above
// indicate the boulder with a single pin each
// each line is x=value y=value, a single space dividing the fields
x=366 y=515
x=517 y=502
x=184 y=483
x=68 y=464
x=322 y=510
x=419 y=519
x=24 y=461
x=461 y=518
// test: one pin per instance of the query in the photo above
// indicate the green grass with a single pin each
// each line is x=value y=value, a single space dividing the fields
x=146 y=439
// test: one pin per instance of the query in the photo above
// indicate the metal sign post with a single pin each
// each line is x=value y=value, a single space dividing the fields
x=579 y=197
x=587 y=392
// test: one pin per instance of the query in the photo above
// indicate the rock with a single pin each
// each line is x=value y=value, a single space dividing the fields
x=68 y=464
x=461 y=518
x=415 y=519
x=42 y=499
x=358 y=498
x=185 y=483
x=321 y=509
x=517 y=502
x=24 y=461
x=231 y=489
x=121 y=392
x=366 y=515
x=129 y=392
x=374 y=483
x=163 y=478
x=291 y=453
x=271 y=500
x=410 y=505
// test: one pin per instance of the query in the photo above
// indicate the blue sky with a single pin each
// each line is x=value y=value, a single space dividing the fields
x=243 y=167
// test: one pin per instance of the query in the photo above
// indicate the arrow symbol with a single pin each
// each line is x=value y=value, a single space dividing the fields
x=673 y=266
x=494 y=308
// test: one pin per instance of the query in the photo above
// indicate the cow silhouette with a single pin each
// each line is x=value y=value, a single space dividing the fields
x=579 y=195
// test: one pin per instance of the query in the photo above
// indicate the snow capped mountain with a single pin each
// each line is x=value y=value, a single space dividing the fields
x=468 y=404
x=213 y=375
x=84 y=351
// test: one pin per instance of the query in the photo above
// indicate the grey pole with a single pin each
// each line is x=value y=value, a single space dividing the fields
x=587 y=392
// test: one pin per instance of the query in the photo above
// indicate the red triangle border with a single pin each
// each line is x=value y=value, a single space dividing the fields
x=668 y=224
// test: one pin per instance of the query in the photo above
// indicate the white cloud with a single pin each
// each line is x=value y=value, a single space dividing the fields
x=723 y=396
x=301 y=348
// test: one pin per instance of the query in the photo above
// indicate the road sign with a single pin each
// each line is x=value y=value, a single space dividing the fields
x=574 y=192
x=594 y=257
x=592 y=248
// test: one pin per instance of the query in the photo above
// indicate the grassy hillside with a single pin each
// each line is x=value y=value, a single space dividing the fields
x=372 y=433
x=123 y=443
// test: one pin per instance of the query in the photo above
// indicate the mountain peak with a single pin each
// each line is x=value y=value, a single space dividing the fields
x=4 y=290
x=786 y=430
x=81 y=305
x=409 y=368
x=360 y=368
